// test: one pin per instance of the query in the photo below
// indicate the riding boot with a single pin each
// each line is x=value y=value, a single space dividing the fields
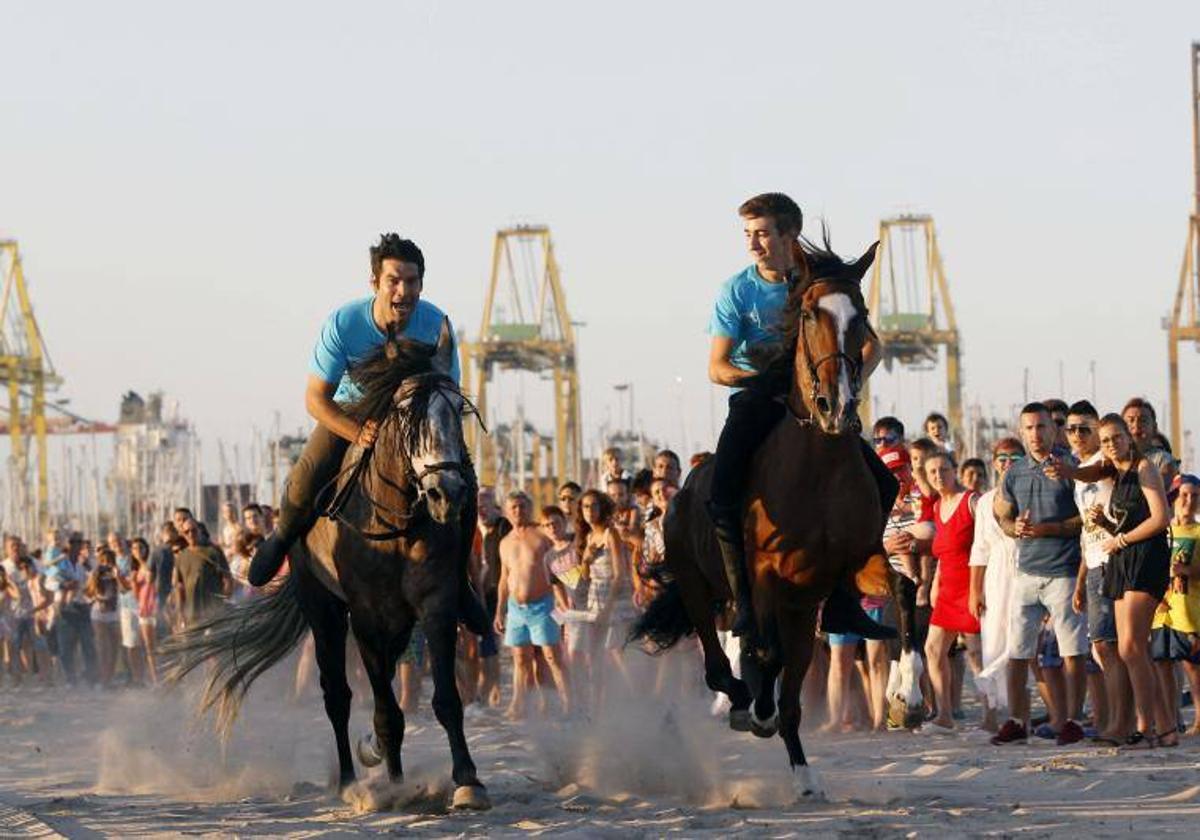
x=843 y=613
x=292 y=524
x=730 y=539
x=314 y=469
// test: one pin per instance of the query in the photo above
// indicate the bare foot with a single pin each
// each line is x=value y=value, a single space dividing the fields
x=830 y=728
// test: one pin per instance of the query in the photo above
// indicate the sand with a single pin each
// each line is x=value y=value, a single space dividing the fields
x=135 y=762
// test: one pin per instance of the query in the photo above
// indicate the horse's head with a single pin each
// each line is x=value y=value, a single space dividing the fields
x=430 y=409
x=831 y=330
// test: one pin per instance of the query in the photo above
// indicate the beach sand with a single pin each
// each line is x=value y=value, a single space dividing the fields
x=136 y=762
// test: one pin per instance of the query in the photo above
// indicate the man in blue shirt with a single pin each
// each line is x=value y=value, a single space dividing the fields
x=745 y=320
x=350 y=334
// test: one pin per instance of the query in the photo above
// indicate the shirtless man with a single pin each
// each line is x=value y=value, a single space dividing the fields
x=527 y=595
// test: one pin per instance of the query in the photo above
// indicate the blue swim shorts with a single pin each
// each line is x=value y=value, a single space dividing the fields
x=835 y=639
x=531 y=624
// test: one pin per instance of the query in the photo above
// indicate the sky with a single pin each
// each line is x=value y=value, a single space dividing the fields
x=194 y=187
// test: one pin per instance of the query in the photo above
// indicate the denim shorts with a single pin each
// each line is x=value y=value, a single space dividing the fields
x=1102 y=623
x=876 y=614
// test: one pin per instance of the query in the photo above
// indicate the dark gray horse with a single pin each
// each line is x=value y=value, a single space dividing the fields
x=387 y=557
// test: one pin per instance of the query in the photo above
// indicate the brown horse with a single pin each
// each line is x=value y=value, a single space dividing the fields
x=812 y=516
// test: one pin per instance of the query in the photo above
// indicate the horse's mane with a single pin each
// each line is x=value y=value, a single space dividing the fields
x=379 y=374
x=816 y=263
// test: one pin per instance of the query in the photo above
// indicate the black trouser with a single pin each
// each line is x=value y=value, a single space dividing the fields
x=752 y=415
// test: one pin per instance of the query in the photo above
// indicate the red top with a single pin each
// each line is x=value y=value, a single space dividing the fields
x=952 y=548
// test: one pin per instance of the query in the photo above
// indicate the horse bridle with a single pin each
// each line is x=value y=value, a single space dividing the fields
x=855 y=366
x=356 y=470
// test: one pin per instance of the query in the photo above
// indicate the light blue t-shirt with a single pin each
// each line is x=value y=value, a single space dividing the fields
x=748 y=310
x=349 y=335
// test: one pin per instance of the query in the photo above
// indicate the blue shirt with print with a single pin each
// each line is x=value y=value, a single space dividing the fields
x=748 y=310
x=350 y=334
x=1028 y=488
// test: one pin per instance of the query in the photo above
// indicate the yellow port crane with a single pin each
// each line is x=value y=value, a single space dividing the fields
x=1184 y=324
x=911 y=309
x=526 y=327
x=26 y=369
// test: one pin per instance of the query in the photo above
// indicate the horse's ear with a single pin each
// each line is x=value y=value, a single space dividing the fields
x=860 y=266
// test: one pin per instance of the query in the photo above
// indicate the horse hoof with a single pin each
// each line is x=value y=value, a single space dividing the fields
x=368 y=751
x=470 y=798
x=765 y=728
x=739 y=720
x=806 y=782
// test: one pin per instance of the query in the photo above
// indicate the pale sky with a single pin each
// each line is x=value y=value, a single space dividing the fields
x=195 y=188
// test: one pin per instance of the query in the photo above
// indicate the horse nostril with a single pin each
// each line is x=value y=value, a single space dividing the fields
x=823 y=404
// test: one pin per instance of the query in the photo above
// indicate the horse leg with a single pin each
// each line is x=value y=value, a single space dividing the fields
x=764 y=718
x=718 y=676
x=441 y=632
x=326 y=616
x=379 y=659
x=798 y=635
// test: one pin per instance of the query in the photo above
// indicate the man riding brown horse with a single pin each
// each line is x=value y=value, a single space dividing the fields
x=745 y=327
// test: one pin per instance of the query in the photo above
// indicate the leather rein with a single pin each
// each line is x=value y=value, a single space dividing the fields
x=438 y=383
x=854 y=365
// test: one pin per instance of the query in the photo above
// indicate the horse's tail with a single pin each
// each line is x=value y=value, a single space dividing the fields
x=664 y=622
x=237 y=646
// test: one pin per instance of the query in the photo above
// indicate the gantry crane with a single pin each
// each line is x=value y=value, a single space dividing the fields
x=26 y=368
x=1185 y=314
x=526 y=327
x=911 y=308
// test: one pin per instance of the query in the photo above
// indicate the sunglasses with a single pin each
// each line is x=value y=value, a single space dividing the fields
x=1006 y=458
x=1081 y=429
x=884 y=440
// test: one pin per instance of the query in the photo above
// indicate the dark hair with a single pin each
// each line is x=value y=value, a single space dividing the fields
x=105 y=553
x=938 y=452
x=186 y=511
x=552 y=510
x=1035 y=408
x=778 y=207
x=1162 y=441
x=1054 y=404
x=977 y=463
x=669 y=482
x=613 y=480
x=254 y=506
x=925 y=446
x=1141 y=403
x=582 y=527
x=641 y=481
x=667 y=453
x=935 y=416
x=570 y=485
x=392 y=247
x=1114 y=419
x=890 y=424
x=1084 y=409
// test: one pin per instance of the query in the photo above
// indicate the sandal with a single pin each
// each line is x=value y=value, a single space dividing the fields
x=1138 y=741
x=1167 y=740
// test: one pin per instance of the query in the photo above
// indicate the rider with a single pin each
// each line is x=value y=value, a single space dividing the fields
x=745 y=318
x=349 y=335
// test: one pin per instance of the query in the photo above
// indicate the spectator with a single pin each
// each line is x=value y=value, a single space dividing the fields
x=1142 y=422
x=1058 y=413
x=667 y=465
x=253 y=522
x=1038 y=510
x=611 y=467
x=973 y=475
x=229 y=527
x=104 y=590
x=1138 y=571
x=162 y=572
x=1175 y=633
x=67 y=577
x=1116 y=722
x=568 y=502
x=146 y=594
x=937 y=429
x=954 y=523
x=201 y=576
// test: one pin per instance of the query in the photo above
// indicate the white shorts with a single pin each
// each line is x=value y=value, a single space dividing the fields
x=1033 y=596
x=131 y=636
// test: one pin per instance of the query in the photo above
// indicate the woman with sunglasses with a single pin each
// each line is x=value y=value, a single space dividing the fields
x=1138 y=571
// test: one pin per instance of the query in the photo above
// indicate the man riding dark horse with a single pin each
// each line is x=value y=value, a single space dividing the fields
x=350 y=334
x=744 y=324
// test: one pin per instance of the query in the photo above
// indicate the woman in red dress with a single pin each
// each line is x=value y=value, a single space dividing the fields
x=954 y=524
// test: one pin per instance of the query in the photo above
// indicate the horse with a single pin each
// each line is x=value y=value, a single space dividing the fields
x=385 y=558
x=812 y=514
